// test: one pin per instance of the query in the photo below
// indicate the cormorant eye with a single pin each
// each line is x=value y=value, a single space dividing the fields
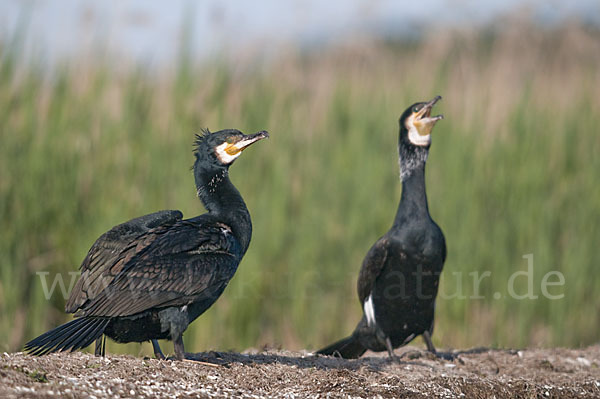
x=229 y=140
x=416 y=108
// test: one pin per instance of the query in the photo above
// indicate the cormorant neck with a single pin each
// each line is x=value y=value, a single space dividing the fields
x=220 y=197
x=412 y=174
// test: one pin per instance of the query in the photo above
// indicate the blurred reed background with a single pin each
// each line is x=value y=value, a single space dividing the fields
x=513 y=170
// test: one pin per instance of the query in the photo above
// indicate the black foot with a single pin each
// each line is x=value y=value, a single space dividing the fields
x=412 y=355
x=446 y=356
x=417 y=354
x=184 y=356
x=432 y=351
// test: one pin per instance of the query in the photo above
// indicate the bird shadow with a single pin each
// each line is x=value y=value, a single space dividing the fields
x=374 y=363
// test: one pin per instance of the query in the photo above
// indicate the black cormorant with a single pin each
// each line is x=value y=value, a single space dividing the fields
x=149 y=278
x=398 y=281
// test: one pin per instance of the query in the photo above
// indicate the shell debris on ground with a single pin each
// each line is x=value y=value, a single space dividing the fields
x=475 y=373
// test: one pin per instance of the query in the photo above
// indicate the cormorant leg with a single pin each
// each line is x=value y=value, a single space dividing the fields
x=442 y=355
x=99 y=350
x=390 y=349
x=178 y=346
x=157 y=352
x=428 y=342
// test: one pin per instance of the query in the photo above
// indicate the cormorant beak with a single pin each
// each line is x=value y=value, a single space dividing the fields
x=423 y=120
x=245 y=142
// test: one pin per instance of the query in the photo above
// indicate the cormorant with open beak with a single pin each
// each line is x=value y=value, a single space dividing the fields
x=398 y=281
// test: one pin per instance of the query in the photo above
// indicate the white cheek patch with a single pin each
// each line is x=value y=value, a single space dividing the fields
x=416 y=138
x=225 y=157
x=369 y=310
x=413 y=134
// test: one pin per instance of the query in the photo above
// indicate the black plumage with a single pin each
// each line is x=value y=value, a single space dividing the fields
x=149 y=278
x=398 y=281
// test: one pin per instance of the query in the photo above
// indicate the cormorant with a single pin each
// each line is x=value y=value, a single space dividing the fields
x=150 y=277
x=398 y=281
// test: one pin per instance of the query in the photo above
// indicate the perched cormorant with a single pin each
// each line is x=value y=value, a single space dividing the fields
x=398 y=281
x=149 y=278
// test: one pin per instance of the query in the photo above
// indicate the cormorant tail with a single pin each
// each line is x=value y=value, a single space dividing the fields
x=348 y=348
x=76 y=334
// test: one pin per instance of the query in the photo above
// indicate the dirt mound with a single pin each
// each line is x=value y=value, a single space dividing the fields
x=477 y=373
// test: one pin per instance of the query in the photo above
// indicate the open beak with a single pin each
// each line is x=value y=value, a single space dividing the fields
x=246 y=142
x=423 y=120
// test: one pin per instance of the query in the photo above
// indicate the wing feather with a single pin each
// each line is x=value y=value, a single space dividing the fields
x=371 y=268
x=188 y=261
x=112 y=251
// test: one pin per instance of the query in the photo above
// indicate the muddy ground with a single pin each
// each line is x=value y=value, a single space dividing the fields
x=478 y=373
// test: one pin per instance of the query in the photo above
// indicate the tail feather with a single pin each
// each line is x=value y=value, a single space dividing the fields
x=59 y=340
x=89 y=338
x=348 y=348
x=44 y=338
x=76 y=334
x=45 y=342
x=75 y=340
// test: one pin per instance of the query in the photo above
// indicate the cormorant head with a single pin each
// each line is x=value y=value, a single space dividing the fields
x=220 y=149
x=416 y=123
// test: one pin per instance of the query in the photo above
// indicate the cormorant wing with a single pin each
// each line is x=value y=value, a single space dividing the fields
x=175 y=265
x=111 y=248
x=372 y=267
